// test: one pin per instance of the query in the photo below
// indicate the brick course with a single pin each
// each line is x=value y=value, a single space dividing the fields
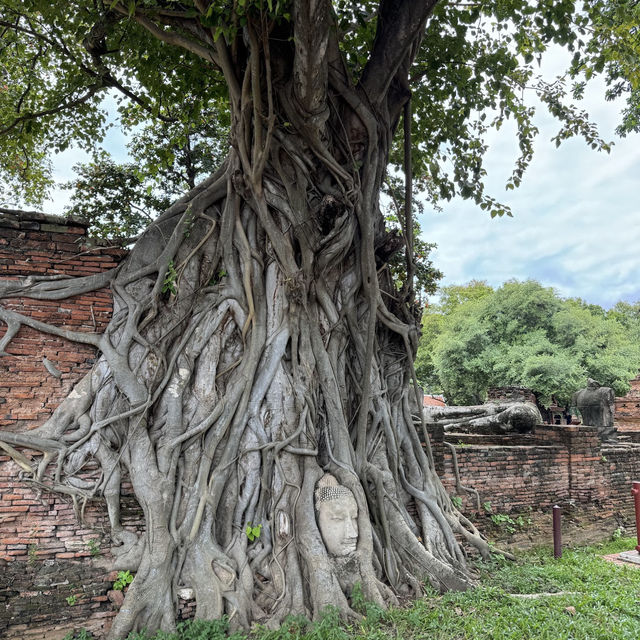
x=45 y=555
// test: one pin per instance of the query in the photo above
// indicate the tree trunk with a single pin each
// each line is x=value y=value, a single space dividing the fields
x=259 y=365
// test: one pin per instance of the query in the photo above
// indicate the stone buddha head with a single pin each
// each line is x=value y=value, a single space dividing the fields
x=337 y=516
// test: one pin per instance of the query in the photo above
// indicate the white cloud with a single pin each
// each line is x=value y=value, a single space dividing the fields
x=576 y=216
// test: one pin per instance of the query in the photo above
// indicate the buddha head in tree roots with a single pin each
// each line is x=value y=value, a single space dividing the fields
x=337 y=516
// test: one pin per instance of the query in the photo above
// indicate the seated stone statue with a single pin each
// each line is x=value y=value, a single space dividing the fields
x=337 y=516
x=596 y=405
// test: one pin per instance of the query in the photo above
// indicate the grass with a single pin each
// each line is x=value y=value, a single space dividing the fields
x=599 y=601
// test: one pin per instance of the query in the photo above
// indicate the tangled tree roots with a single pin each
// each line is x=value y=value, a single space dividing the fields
x=258 y=342
x=226 y=387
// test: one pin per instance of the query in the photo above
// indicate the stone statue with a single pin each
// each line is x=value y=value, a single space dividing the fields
x=337 y=516
x=596 y=405
x=490 y=418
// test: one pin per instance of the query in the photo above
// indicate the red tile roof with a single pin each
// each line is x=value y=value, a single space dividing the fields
x=433 y=401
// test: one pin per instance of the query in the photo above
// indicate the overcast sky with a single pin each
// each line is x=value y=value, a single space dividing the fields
x=576 y=223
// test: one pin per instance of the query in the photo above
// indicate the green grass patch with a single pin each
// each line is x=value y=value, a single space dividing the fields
x=598 y=600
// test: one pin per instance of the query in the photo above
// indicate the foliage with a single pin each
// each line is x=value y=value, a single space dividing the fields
x=120 y=199
x=474 y=70
x=32 y=553
x=170 y=280
x=433 y=323
x=123 y=579
x=523 y=334
x=113 y=198
x=509 y=524
x=94 y=547
x=71 y=600
x=59 y=66
x=82 y=634
x=253 y=531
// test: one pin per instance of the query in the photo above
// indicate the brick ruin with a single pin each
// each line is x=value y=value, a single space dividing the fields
x=51 y=580
x=628 y=408
x=43 y=548
x=555 y=464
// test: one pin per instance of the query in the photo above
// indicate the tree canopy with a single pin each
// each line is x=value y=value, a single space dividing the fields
x=524 y=334
x=475 y=68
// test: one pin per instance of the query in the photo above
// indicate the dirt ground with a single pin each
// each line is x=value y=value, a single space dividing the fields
x=580 y=527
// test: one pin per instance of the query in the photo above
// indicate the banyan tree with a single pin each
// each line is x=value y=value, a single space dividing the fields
x=255 y=383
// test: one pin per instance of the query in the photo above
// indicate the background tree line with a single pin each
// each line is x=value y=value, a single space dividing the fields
x=524 y=334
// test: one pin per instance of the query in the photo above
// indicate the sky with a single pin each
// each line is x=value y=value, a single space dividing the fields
x=576 y=215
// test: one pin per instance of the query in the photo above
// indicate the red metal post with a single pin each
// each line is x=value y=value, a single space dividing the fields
x=636 y=499
x=557 y=532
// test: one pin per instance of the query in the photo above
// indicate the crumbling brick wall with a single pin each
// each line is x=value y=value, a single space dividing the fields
x=513 y=473
x=35 y=245
x=554 y=464
x=627 y=414
x=45 y=554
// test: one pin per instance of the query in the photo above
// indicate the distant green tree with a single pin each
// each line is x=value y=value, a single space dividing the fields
x=433 y=322
x=525 y=334
x=114 y=199
x=628 y=315
x=119 y=200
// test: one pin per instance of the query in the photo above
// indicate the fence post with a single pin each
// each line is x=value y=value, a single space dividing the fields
x=636 y=499
x=557 y=531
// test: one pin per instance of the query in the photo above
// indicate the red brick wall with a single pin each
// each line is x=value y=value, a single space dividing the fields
x=35 y=244
x=45 y=555
x=554 y=464
x=627 y=414
x=513 y=473
x=621 y=467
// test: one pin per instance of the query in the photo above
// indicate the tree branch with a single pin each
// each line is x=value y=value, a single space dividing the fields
x=399 y=30
x=11 y=318
x=93 y=89
x=104 y=77
x=310 y=65
x=170 y=37
x=54 y=287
